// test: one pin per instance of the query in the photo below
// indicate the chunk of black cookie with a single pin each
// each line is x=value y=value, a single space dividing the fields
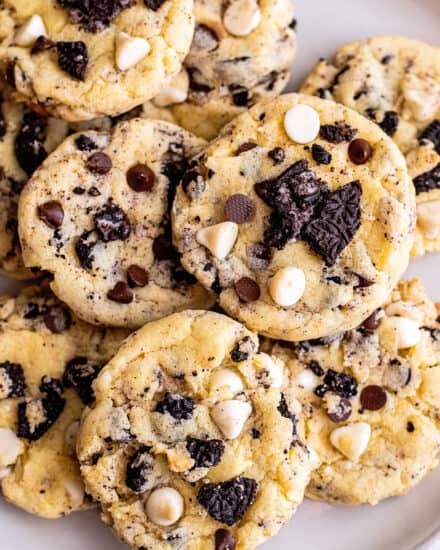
x=243 y=349
x=337 y=133
x=428 y=181
x=12 y=382
x=112 y=223
x=205 y=453
x=139 y=468
x=338 y=383
x=431 y=134
x=80 y=374
x=178 y=406
x=73 y=58
x=227 y=502
x=94 y=16
x=30 y=151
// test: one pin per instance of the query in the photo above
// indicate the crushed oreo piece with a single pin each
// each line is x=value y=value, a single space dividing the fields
x=339 y=383
x=84 y=250
x=259 y=256
x=277 y=155
x=193 y=184
x=390 y=123
x=139 y=468
x=428 y=181
x=154 y=5
x=85 y=143
x=320 y=155
x=341 y=411
x=227 y=502
x=94 y=16
x=57 y=319
x=205 y=453
x=178 y=406
x=30 y=151
x=242 y=350
x=12 y=382
x=73 y=57
x=316 y=368
x=283 y=409
x=80 y=374
x=432 y=134
x=205 y=38
x=337 y=133
x=112 y=223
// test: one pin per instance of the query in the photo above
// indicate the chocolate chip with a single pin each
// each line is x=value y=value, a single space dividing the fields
x=94 y=16
x=94 y=191
x=112 y=223
x=99 y=163
x=320 y=155
x=341 y=412
x=373 y=321
x=373 y=398
x=141 y=178
x=52 y=214
x=277 y=155
x=224 y=540
x=390 y=123
x=42 y=44
x=79 y=190
x=247 y=290
x=137 y=276
x=205 y=38
x=121 y=293
x=386 y=59
x=73 y=57
x=58 y=319
x=247 y=146
x=85 y=143
x=360 y=151
x=337 y=133
x=428 y=181
x=154 y=4
x=410 y=427
x=363 y=281
x=239 y=208
x=259 y=256
x=241 y=98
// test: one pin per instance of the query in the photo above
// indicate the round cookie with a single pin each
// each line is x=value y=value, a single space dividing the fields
x=298 y=239
x=79 y=60
x=194 y=440
x=395 y=81
x=205 y=112
x=96 y=216
x=371 y=399
x=48 y=361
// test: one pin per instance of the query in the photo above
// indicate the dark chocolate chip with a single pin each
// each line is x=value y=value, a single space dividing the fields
x=360 y=151
x=79 y=190
x=239 y=208
x=241 y=98
x=373 y=321
x=342 y=411
x=85 y=143
x=247 y=146
x=224 y=540
x=58 y=319
x=320 y=155
x=205 y=38
x=99 y=163
x=410 y=427
x=52 y=214
x=337 y=133
x=373 y=398
x=73 y=57
x=137 y=276
x=121 y=293
x=364 y=282
x=163 y=249
x=42 y=44
x=386 y=59
x=141 y=178
x=277 y=155
x=247 y=290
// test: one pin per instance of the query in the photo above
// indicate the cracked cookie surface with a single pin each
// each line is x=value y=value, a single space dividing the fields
x=96 y=215
x=92 y=61
x=371 y=400
x=39 y=408
x=194 y=437
x=395 y=81
x=325 y=238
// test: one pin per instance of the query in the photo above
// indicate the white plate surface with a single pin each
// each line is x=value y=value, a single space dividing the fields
x=397 y=524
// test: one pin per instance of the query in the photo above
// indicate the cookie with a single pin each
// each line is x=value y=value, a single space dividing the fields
x=395 y=82
x=79 y=60
x=280 y=219
x=48 y=361
x=205 y=112
x=96 y=216
x=371 y=399
x=194 y=440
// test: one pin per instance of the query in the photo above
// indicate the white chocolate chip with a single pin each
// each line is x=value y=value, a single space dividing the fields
x=130 y=50
x=351 y=440
x=32 y=29
x=287 y=286
x=407 y=331
x=302 y=123
x=71 y=433
x=273 y=369
x=164 y=506
x=242 y=17
x=405 y=309
x=227 y=382
x=10 y=447
x=428 y=218
x=175 y=92
x=230 y=416
x=307 y=380
x=75 y=490
x=219 y=239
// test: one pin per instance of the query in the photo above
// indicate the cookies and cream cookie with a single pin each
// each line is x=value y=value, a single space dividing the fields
x=395 y=82
x=79 y=60
x=300 y=216
x=194 y=440
x=371 y=399
x=48 y=361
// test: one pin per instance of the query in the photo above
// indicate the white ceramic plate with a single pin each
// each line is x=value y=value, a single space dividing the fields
x=397 y=524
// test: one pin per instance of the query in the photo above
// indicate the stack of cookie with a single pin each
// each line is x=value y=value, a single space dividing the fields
x=217 y=324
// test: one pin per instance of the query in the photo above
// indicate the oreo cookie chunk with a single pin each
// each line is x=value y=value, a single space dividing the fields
x=105 y=233
x=371 y=399
x=40 y=412
x=191 y=419
x=297 y=242
x=394 y=81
